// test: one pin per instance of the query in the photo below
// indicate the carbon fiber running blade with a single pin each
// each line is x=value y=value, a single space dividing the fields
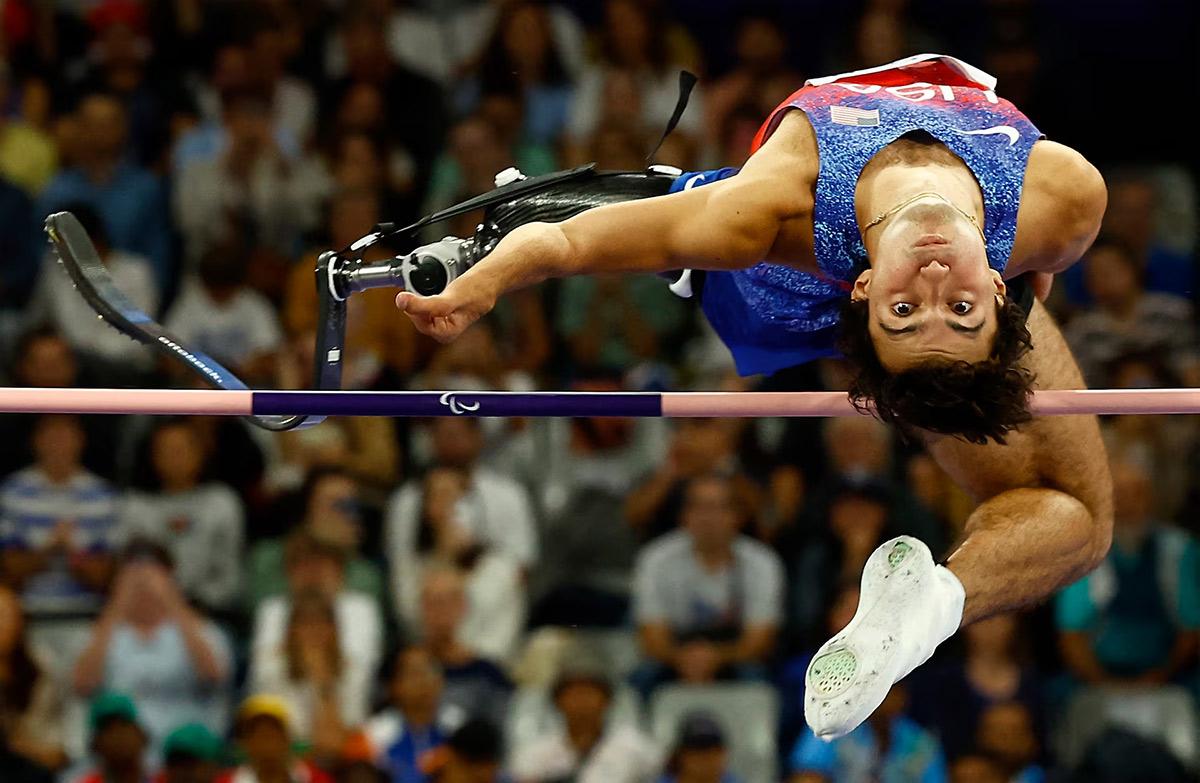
x=78 y=256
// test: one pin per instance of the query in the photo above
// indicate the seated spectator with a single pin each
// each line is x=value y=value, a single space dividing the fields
x=708 y=601
x=522 y=57
x=414 y=722
x=263 y=731
x=637 y=38
x=889 y=745
x=951 y=698
x=318 y=567
x=191 y=754
x=474 y=684
x=31 y=704
x=271 y=199
x=586 y=746
x=119 y=742
x=1006 y=733
x=446 y=537
x=701 y=753
x=325 y=692
x=18 y=274
x=698 y=447
x=129 y=199
x=292 y=102
x=42 y=358
x=200 y=522
x=472 y=754
x=28 y=156
x=501 y=517
x=56 y=303
x=175 y=664
x=1126 y=319
x=59 y=525
x=1136 y=618
x=218 y=313
x=330 y=512
x=977 y=769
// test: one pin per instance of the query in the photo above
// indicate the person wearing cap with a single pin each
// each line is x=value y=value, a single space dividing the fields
x=587 y=746
x=118 y=741
x=264 y=733
x=701 y=753
x=191 y=754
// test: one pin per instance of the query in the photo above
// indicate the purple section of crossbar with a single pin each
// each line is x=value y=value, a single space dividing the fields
x=465 y=403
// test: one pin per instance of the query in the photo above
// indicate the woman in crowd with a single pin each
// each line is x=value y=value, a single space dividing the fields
x=31 y=707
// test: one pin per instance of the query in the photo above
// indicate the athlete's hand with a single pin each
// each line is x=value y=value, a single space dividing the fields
x=447 y=315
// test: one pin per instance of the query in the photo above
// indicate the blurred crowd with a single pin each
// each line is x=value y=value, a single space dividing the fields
x=475 y=600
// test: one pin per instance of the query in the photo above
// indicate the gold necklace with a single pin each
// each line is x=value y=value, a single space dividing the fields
x=885 y=215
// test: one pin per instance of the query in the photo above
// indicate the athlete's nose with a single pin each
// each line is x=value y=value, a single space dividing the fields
x=935 y=269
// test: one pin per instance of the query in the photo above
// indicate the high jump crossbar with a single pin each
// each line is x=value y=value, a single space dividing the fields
x=210 y=402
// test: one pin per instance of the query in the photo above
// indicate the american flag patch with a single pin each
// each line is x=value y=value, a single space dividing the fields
x=848 y=115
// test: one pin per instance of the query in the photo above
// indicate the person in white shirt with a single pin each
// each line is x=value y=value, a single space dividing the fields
x=586 y=746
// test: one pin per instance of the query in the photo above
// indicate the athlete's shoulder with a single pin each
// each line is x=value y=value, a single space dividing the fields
x=1062 y=205
x=1070 y=179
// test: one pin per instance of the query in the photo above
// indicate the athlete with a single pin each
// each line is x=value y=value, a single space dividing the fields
x=913 y=212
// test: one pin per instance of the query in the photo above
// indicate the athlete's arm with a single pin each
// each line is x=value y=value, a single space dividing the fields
x=730 y=224
x=1062 y=204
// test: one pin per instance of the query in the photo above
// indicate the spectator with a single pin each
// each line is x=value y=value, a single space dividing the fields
x=31 y=705
x=59 y=523
x=1129 y=320
x=250 y=187
x=292 y=102
x=698 y=447
x=20 y=270
x=265 y=735
x=951 y=698
x=522 y=57
x=977 y=769
x=118 y=741
x=586 y=747
x=175 y=664
x=495 y=591
x=638 y=38
x=501 y=515
x=472 y=755
x=331 y=513
x=318 y=605
x=191 y=754
x=701 y=753
x=1006 y=734
x=56 y=303
x=414 y=136
x=217 y=313
x=1136 y=618
x=28 y=157
x=43 y=359
x=889 y=745
x=415 y=722
x=129 y=199
x=326 y=693
x=474 y=685
x=198 y=521
x=708 y=601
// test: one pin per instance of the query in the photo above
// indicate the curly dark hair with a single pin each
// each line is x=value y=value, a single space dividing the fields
x=976 y=402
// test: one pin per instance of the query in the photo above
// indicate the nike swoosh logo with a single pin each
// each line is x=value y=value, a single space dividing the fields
x=1012 y=133
x=691 y=183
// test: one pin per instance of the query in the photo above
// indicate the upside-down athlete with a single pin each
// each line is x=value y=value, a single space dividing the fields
x=890 y=206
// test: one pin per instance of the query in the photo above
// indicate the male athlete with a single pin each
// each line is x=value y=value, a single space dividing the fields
x=891 y=204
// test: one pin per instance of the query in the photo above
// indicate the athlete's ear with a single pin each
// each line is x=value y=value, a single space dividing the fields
x=862 y=287
x=998 y=283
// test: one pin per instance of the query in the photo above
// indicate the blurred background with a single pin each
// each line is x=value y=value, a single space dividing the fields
x=467 y=600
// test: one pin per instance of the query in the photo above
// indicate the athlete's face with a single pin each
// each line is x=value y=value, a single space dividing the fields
x=931 y=292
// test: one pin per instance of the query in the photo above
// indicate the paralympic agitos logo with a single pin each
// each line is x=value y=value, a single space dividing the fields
x=457 y=408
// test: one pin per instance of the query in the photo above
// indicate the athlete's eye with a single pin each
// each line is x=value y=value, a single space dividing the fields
x=962 y=308
x=903 y=309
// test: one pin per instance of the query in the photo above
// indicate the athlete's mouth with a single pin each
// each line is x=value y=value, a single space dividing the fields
x=930 y=239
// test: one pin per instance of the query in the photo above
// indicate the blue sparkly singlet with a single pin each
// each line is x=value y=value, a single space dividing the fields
x=772 y=316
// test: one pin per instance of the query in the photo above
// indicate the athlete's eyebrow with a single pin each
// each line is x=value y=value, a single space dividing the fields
x=971 y=330
x=900 y=330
